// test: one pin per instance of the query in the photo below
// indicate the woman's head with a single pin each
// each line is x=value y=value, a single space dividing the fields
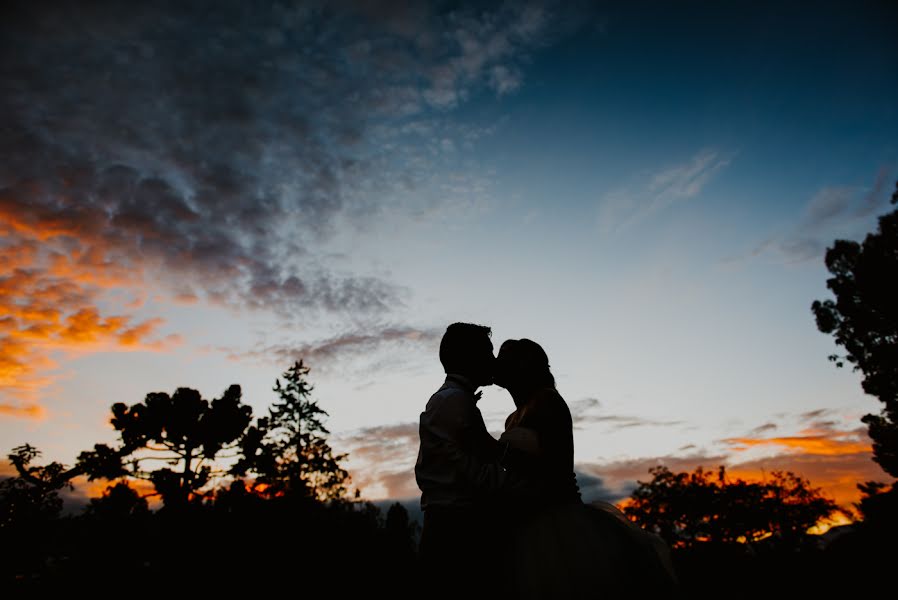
x=523 y=364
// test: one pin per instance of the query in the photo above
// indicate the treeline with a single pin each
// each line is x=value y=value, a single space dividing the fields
x=751 y=538
x=265 y=503
x=244 y=504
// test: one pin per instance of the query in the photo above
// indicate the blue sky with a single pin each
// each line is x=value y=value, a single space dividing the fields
x=646 y=189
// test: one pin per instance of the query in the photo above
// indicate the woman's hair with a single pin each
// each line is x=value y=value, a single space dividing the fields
x=531 y=365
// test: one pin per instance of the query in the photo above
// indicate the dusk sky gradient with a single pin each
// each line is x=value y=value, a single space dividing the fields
x=199 y=193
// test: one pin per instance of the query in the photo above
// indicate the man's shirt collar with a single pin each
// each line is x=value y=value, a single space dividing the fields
x=464 y=383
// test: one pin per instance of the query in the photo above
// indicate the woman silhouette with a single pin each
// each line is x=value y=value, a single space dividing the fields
x=557 y=546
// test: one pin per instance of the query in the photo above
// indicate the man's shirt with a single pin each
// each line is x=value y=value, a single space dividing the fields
x=458 y=460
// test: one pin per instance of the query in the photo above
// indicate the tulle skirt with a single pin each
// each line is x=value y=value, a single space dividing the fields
x=577 y=550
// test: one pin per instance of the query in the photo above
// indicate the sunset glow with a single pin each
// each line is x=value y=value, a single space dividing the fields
x=648 y=194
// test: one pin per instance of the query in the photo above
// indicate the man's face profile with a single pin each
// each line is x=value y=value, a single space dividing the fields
x=484 y=362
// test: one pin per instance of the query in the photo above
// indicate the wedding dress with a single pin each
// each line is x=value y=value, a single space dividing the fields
x=560 y=547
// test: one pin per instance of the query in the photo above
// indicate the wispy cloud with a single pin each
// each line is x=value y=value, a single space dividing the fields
x=763 y=429
x=369 y=342
x=658 y=190
x=586 y=411
x=626 y=421
x=819 y=438
x=834 y=212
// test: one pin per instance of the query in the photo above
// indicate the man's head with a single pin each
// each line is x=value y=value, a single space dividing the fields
x=466 y=349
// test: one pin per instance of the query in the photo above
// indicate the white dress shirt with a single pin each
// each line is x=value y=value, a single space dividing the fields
x=458 y=460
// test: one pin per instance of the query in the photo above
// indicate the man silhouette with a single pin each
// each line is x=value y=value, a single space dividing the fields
x=459 y=470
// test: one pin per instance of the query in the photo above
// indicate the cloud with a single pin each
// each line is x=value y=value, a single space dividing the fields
x=832 y=457
x=657 y=191
x=581 y=407
x=361 y=342
x=594 y=488
x=814 y=414
x=582 y=413
x=821 y=438
x=382 y=459
x=763 y=428
x=834 y=212
x=208 y=156
x=626 y=421
x=504 y=80
x=32 y=411
x=49 y=304
x=810 y=444
x=483 y=47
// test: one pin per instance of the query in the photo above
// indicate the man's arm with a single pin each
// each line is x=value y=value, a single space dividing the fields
x=460 y=429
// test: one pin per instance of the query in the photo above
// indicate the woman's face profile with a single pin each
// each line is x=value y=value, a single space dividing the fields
x=504 y=364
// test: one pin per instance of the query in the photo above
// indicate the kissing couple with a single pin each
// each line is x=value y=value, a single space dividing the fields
x=504 y=518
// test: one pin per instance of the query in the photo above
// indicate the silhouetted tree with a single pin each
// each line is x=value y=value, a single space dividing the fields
x=183 y=430
x=690 y=508
x=400 y=530
x=118 y=502
x=287 y=453
x=863 y=319
x=33 y=495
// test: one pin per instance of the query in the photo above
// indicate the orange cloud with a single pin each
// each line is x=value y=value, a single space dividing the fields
x=834 y=459
x=29 y=412
x=810 y=444
x=54 y=276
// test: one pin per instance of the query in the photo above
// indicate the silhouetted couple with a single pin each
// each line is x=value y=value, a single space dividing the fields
x=503 y=518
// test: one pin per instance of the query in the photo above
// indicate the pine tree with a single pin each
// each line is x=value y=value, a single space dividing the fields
x=287 y=452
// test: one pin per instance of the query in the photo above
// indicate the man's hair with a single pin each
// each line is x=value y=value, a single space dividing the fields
x=455 y=347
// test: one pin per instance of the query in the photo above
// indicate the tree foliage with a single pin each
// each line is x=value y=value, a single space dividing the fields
x=33 y=495
x=287 y=452
x=689 y=508
x=119 y=502
x=182 y=430
x=180 y=442
x=863 y=319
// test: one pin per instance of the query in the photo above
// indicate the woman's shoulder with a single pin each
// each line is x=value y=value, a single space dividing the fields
x=512 y=420
x=548 y=400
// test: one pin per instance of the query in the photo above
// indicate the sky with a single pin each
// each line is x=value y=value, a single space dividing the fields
x=198 y=194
